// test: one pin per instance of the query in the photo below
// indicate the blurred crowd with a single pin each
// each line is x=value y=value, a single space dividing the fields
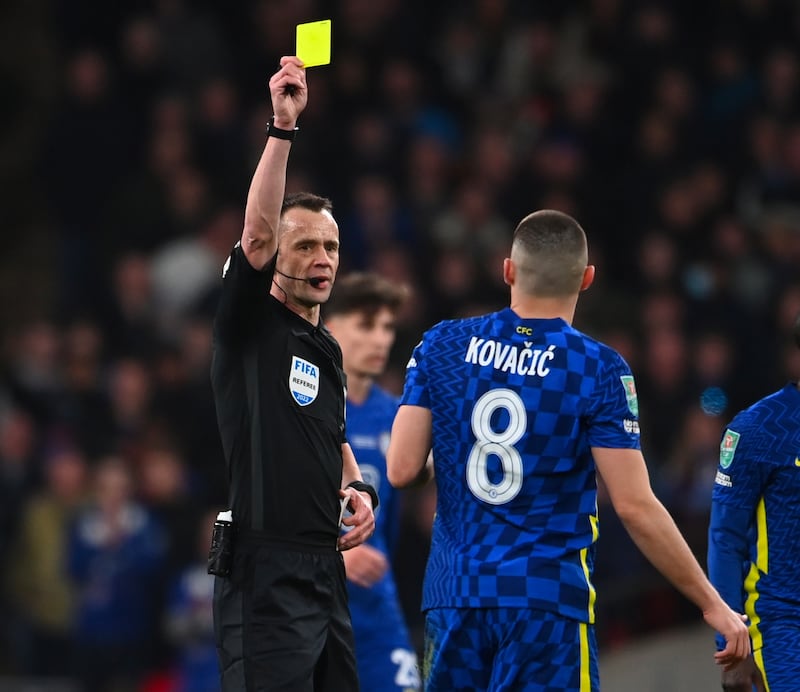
x=670 y=130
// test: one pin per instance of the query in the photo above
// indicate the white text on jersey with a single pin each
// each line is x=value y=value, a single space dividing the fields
x=509 y=358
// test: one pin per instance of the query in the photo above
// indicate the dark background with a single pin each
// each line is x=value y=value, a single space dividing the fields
x=130 y=130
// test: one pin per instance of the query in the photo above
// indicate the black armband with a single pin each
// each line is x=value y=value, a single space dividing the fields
x=363 y=487
x=280 y=133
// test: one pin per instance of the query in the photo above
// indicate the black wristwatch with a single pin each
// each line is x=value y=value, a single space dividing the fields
x=363 y=487
x=279 y=132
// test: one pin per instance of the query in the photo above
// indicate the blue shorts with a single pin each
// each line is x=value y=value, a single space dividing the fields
x=386 y=659
x=776 y=655
x=385 y=668
x=505 y=649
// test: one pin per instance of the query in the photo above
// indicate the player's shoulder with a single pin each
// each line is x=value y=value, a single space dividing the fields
x=486 y=325
x=459 y=325
x=785 y=401
x=593 y=346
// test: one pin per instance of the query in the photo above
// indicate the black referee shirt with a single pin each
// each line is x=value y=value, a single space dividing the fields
x=279 y=393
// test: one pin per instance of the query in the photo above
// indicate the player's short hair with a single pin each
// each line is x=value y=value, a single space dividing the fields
x=306 y=200
x=550 y=251
x=365 y=292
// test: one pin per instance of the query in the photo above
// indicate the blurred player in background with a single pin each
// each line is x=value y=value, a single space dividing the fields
x=189 y=622
x=361 y=316
x=753 y=538
x=522 y=411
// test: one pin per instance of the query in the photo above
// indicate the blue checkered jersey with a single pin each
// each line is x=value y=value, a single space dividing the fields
x=754 y=533
x=516 y=406
x=376 y=611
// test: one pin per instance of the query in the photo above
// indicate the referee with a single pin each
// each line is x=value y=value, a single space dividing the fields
x=281 y=617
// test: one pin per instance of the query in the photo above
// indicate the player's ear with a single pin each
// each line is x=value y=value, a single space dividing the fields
x=509 y=271
x=588 y=277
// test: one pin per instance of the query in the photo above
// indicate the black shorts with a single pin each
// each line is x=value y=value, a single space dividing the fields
x=282 y=622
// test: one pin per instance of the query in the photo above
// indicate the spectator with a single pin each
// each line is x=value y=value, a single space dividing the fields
x=42 y=598
x=188 y=617
x=115 y=555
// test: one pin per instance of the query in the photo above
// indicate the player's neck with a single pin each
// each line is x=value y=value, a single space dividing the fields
x=358 y=387
x=531 y=307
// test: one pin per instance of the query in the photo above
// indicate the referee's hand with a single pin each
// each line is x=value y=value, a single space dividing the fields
x=288 y=91
x=362 y=520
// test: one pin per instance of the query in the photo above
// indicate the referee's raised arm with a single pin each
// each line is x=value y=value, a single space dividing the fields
x=289 y=95
x=280 y=605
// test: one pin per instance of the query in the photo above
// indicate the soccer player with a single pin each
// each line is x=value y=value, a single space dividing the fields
x=522 y=410
x=753 y=538
x=361 y=316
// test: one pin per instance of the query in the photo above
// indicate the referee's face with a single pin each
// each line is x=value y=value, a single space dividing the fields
x=309 y=252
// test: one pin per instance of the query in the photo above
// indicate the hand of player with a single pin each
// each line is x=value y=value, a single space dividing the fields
x=365 y=565
x=362 y=519
x=743 y=677
x=732 y=627
x=289 y=92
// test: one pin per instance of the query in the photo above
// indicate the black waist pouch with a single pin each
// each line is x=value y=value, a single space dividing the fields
x=220 y=554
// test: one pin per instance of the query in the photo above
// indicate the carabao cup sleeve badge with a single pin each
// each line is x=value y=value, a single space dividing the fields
x=727 y=448
x=303 y=381
x=630 y=394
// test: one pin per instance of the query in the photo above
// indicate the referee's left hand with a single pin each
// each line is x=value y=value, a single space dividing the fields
x=362 y=519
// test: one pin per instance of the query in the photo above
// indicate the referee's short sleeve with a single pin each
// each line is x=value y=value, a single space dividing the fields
x=244 y=289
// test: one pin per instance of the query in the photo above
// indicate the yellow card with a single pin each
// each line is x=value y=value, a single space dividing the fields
x=314 y=43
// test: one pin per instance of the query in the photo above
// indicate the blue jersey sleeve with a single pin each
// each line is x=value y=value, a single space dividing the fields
x=614 y=413
x=738 y=487
x=415 y=390
x=742 y=473
x=728 y=552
